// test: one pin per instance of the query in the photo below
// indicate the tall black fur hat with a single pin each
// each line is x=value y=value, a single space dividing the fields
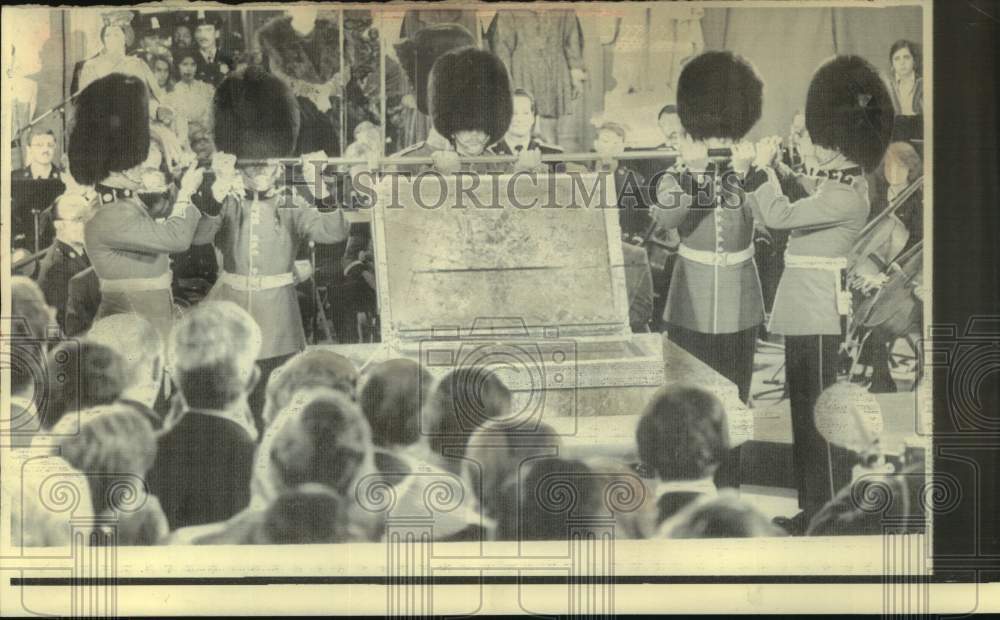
x=470 y=90
x=417 y=54
x=849 y=109
x=110 y=130
x=256 y=115
x=719 y=95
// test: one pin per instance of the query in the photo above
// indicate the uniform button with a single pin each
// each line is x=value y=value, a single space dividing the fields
x=107 y=197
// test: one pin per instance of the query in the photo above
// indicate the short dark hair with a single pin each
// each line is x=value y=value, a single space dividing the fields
x=316 y=368
x=725 y=516
x=309 y=515
x=339 y=443
x=520 y=92
x=682 y=435
x=392 y=399
x=464 y=399
x=667 y=109
x=34 y=133
x=92 y=375
x=552 y=491
x=918 y=63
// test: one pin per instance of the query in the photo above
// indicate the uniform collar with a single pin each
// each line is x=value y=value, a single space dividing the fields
x=844 y=175
x=108 y=194
x=525 y=145
x=68 y=250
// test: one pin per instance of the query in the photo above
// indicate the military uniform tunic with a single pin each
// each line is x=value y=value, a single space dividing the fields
x=259 y=235
x=130 y=250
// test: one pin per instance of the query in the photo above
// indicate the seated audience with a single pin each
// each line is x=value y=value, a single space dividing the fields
x=321 y=438
x=138 y=343
x=875 y=504
x=309 y=515
x=682 y=438
x=496 y=455
x=66 y=257
x=392 y=397
x=553 y=502
x=93 y=375
x=723 y=516
x=37 y=523
x=115 y=447
x=464 y=400
x=29 y=324
x=210 y=445
x=309 y=369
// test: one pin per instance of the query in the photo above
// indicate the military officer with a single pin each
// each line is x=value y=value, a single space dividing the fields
x=128 y=248
x=812 y=300
x=66 y=257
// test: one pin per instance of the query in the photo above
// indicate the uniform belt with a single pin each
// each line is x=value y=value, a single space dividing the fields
x=829 y=263
x=722 y=259
x=128 y=285
x=256 y=283
x=835 y=265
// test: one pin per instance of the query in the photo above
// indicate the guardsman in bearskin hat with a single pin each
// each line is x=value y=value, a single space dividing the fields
x=849 y=117
x=470 y=103
x=258 y=226
x=714 y=305
x=128 y=248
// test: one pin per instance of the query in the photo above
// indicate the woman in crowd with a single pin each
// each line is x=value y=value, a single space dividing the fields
x=906 y=87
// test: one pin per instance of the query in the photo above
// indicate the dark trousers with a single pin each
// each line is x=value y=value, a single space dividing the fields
x=821 y=469
x=258 y=396
x=731 y=355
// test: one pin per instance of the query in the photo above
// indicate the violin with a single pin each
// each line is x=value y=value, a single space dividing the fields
x=895 y=310
x=880 y=241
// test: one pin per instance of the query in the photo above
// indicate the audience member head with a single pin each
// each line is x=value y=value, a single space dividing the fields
x=610 y=139
x=849 y=113
x=91 y=375
x=522 y=121
x=470 y=99
x=317 y=368
x=495 y=455
x=905 y=59
x=182 y=37
x=723 y=516
x=69 y=213
x=670 y=126
x=464 y=400
x=901 y=164
x=417 y=55
x=161 y=64
x=185 y=59
x=41 y=147
x=392 y=397
x=136 y=340
x=212 y=353
x=873 y=504
x=719 y=96
x=116 y=38
x=29 y=324
x=114 y=447
x=539 y=506
x=323 y=439
x=110 y=129
x=682 y=435
x=311 y=514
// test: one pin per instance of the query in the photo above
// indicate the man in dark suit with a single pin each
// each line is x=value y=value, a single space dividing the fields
x=83 y=299
x=34 y=187
x=213 y=63
x=204 y=463
x=66 y=257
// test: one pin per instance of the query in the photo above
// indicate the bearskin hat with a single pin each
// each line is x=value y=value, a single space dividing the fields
x=719 y=95
x=849 y=109
x=110 y=130
x=417 y=54
x=256 y=115
x=470 y=90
